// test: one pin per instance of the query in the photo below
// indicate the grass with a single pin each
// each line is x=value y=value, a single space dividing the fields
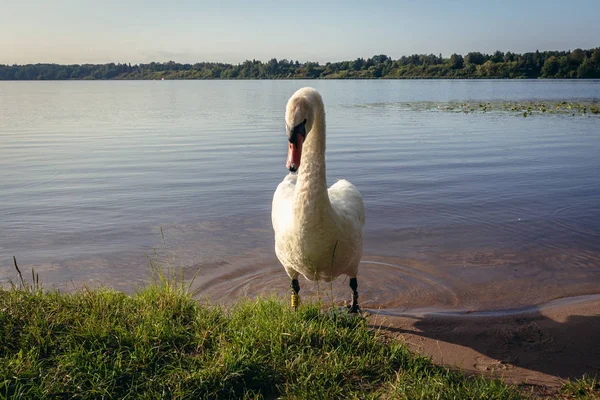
x=586 y=388
x=161 y=343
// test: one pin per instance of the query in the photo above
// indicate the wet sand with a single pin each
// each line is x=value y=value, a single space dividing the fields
x=540 y=346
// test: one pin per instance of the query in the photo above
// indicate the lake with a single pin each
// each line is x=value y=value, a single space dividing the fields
x=471 y=211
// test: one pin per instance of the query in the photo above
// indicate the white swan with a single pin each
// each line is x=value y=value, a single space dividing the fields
x=318 y=231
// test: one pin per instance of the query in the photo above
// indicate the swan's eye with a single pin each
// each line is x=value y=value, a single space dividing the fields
x=299 y=129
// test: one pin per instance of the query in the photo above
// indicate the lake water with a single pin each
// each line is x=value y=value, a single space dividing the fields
x=476 y=211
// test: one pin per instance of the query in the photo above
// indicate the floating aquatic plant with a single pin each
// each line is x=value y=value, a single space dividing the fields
x=520 y=108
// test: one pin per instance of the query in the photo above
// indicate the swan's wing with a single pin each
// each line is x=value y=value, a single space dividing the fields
x=281 y=209
x=347 y=201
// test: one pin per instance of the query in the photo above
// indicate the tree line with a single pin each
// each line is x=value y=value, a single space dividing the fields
x=499 y=65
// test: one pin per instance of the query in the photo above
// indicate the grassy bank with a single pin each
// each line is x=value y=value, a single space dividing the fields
x=160 y=343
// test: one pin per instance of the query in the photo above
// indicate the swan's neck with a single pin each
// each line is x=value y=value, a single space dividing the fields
x=312 y=199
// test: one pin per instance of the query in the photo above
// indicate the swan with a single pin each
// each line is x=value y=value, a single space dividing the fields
x=318 y=231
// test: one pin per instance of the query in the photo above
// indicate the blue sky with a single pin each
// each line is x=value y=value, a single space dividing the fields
x=69 y=31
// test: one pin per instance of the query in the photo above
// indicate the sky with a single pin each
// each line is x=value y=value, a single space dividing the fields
x=189 y=31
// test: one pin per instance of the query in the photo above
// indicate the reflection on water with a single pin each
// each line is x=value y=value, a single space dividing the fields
x=464 y=211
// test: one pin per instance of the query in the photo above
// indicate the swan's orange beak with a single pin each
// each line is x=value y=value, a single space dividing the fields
x=294 y=154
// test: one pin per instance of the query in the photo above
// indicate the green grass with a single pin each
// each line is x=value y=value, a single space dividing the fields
x=160 y=343
x=586 y=388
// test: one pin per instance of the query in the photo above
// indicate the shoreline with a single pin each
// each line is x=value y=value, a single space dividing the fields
x=504 y=312
x=576 y=64
x=531 y=355
x=541 y=348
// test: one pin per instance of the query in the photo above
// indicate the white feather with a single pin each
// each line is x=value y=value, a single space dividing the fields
x=318 y=231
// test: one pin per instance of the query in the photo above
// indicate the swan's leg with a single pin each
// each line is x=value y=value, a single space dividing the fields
x=354 y=308
x=295 y=289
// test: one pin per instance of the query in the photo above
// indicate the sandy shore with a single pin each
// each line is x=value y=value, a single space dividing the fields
x=540 y=346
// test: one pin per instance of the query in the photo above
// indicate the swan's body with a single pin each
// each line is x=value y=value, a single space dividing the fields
x=318 y=239
x=318 y=231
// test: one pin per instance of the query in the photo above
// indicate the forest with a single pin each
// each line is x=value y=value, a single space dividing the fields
x=575 y=64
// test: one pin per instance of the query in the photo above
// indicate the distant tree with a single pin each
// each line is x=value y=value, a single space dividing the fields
x=550 y=67
x=357 y=64
x=538 y=60
x=487 y=69
x=497 y=57
x=565 y=68
x=415 y=59
x=376 y=71
x=475 y=58
x=577 y=56
x=271 y=67
x=588 y=69
x=456 y=61
x=311 y=70
x=379 y=59
x=387 y=67
x=527 y=65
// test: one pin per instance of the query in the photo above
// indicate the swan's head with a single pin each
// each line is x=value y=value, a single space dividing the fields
x=299 y=118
